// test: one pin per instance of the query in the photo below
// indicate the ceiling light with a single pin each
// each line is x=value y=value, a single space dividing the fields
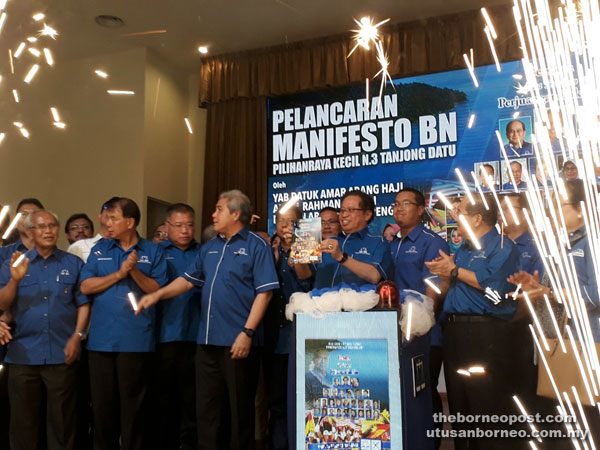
x=117 y=92
x=202 y=49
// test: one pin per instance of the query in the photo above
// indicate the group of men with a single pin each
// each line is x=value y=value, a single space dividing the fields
x=187 y=325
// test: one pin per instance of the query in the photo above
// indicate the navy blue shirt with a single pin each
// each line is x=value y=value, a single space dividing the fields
x=410 y=254
x=511 y=187
x=231 y=273
x=530 y=259
x=498 y=259
x=113 y=326
x=584 y=266
x=289 y=283
x=7 y=251
x=45 y=308
x=179 y=317
x=511 y=150
x=363 y=247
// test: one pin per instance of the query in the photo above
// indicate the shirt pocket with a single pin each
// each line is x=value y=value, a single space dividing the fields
x=66 y=286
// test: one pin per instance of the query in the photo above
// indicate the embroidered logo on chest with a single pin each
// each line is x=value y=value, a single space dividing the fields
x=241 y=251
x=144 y=259
x=362 y=251
x=412 y=249
x=65 y=272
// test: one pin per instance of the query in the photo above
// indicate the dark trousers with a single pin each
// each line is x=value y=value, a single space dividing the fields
x=175 y=388
x=479 y=343
x=4 y=408
x=83 y=437
x=275 y=371
x=25 y=387
x=223 y=382
x=436 y=357
x=118 y=383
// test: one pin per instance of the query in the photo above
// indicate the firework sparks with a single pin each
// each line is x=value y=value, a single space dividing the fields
x=465 y=223
x=48 y=56
x=409 y=321
x=366 y=34
x=48 y=31
x=533 y=428
x=471 y=66
x=133 y=301
x=188 y=125
x=32 y=72
x=101 y=73
x=12 y=225
x=427 y=281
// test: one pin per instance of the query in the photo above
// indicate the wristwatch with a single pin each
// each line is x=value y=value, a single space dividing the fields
x=81 y=334
x=344 y=258
x=454 y=274
x=249 y=332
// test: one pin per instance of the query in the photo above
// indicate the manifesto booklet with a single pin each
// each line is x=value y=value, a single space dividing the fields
x=306 y=243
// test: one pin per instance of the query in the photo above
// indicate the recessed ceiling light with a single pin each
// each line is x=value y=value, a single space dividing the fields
x=202 y=49
x=108 y=21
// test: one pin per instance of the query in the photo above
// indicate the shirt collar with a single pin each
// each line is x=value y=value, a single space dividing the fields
x=112 y=242
x=361 y=233
x=577 y=235
x=169 y=244
x=484 y=240
x=524 y=239
x=33 y=254
x=414 y=233
x=243 y=234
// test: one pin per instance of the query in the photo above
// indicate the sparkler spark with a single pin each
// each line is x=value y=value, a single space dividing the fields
x=2 y=20
x=463 y=372
x=118 y=92
x=19 y=50
x=367 y=33
x=292 y=201
x=4 y=211
x=409 y=321
x=133 y=301
x=19 y=260
x=32 y=71
x=24 y=132
x=15 y=95
x=465 y=223
x=48 y=56
x=427 y=281
x=12 y=225
x=48 y=31
x=34 y=51
x=55 y=114
x=2 y=136
x=39 y=16
x=471 y=121
x=101 y=73
x=471 y=66
x=188 y=125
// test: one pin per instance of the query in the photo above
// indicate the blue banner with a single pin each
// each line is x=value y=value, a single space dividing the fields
x=322 y=144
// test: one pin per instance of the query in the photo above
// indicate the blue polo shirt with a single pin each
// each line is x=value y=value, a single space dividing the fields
x=289 y=283
x=45 y=308
x=584 y=266
x=522 y=186
x=113 y=325
x=363 y=247
x=231 y=273
x=492 y=265
x=179 y=317
x=7 y=251
x=530 y=259
x=410 y=253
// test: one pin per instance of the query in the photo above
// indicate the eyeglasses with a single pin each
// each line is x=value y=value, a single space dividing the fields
x=180 y=225
x=570 y=168
x=350 y=210
x=79 y=228
x=403 y=204
x=45 y=226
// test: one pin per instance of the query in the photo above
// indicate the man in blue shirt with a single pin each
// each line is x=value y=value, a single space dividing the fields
x=517 y=172
x=476 y=311
x=24 y=242
x=178 y=320
x=236 y=272
x=120 y=343
x=355 y=257
x=410 y=252
x=515 y=133
x=278 y=330
x=50 y=317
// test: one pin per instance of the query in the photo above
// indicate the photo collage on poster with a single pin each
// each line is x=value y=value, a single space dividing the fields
x=347 y=393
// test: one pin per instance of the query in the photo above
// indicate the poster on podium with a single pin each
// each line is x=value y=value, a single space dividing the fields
x=348 y=384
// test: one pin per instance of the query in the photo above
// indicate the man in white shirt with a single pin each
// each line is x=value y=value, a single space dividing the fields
x=83 y=247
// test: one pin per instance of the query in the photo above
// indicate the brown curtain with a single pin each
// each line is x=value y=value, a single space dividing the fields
x=234 y=87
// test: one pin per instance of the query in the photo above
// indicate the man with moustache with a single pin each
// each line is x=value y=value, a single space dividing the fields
x=236 y=272
x=50 y=318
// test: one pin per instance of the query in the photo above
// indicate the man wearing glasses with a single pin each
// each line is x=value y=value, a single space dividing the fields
x=417 y=245
x=355 y=257
x=477 y=342
x=178 y=321
x=50 y=317
x=330 y=223
x=78 y=227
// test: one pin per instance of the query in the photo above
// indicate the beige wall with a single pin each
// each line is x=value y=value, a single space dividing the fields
x=111 y=146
